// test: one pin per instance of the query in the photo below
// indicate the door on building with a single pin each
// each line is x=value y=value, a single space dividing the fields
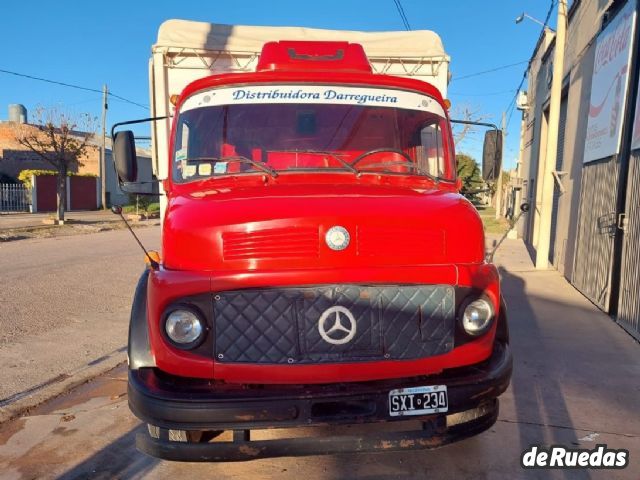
x=596 y=231
x=629 y=295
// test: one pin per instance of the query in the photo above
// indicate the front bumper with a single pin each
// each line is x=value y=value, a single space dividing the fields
x=185 y=404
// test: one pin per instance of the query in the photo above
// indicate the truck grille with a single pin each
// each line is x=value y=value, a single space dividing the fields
x=333 y=323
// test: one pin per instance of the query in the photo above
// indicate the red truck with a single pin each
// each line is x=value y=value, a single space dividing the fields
x=318 y=267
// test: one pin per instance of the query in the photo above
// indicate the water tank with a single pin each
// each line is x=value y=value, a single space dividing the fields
x=17 y=113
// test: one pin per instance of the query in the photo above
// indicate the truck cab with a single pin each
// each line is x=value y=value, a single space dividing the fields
x=318 y=267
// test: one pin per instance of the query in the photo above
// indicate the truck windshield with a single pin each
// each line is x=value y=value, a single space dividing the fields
x=267 y=136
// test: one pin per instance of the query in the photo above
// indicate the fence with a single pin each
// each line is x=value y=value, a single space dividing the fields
x=14 y=198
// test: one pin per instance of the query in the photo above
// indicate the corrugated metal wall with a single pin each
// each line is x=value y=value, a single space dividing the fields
x=629 y=298
x=553 y=255
x=596 y=228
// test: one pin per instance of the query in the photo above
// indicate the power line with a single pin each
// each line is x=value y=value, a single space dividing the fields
x=502 y=92
x=70 y=85
x=403 y=15
x=484 y=72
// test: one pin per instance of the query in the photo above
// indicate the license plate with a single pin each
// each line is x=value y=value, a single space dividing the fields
x=418 y=400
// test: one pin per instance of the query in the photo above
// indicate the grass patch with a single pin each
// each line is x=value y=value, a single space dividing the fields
x=131 y=208
x=490 y=222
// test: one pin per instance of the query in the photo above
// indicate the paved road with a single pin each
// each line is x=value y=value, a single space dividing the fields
x=576 y=383
x=65 y=303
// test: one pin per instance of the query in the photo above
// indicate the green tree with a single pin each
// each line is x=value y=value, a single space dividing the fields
x=469 y=173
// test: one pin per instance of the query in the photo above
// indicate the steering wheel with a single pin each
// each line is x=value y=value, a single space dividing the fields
x=402 y=153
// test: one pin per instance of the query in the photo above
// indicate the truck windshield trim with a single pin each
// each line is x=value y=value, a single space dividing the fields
x=312 y=94
x=280 y=131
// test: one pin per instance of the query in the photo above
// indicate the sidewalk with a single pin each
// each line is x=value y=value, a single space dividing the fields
x=576 y=378
x=11 y=221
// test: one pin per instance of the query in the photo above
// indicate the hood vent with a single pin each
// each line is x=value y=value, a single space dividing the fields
x=288 y=242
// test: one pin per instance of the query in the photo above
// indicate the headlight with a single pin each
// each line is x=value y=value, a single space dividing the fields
x=477 y=316
x=184 y=328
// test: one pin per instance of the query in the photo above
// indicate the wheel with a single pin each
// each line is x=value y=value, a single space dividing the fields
x=193 y=436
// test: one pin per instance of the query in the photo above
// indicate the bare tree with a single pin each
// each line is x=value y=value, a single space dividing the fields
x=61 y=139
x=469 y=114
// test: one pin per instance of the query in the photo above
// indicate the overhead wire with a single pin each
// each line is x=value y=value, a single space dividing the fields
x=71 y=85
x=403 y=15
x=491 y=70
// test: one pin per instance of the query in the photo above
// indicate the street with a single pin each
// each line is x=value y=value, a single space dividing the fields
x=576 y=380
x=66 y=302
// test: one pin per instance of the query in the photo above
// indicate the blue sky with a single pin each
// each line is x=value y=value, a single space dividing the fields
x=92 y=43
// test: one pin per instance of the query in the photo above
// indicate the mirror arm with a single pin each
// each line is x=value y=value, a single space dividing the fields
x=131 y=122
x=124 y=186
x=481 y=124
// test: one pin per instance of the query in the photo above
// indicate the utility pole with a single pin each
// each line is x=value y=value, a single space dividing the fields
x=103 y=150
x=499 y=184
x=546 y=204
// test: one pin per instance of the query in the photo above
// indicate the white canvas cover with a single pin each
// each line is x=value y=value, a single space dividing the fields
x=210 y=36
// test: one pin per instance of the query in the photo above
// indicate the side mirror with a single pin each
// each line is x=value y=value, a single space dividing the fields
x=124 y=156
x=492 y=155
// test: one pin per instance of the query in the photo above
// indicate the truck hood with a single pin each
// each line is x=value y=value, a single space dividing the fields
x=268 y=227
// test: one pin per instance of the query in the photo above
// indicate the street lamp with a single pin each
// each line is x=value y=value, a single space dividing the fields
x=524 y=15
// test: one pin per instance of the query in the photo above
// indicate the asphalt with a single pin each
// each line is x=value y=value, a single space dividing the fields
x=65 y=308
x=576 y=383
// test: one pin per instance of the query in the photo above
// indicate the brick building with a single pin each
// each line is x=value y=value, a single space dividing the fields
x=14 y=158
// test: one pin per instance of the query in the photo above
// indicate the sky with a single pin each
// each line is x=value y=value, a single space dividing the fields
x=95 y=43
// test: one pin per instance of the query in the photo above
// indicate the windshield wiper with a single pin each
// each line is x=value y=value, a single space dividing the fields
x=342 y=161
x=405 y=159
x=255 y=163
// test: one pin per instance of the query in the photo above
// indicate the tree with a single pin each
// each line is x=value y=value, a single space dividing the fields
x=61 y=139
x=469 y=173
x=469 y=114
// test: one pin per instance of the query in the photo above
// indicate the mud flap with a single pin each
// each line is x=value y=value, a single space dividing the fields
x=139 y=349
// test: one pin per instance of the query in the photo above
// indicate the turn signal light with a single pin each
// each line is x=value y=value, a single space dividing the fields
x=152 y=255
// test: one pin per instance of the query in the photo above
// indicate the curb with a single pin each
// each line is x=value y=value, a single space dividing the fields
x=19 y=404
x=28 y=233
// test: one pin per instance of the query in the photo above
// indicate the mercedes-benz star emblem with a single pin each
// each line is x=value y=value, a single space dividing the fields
x=331 y=326
x=337 y=238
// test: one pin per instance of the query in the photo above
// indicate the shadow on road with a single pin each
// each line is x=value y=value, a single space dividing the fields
x=119 y=459
x=536 y=384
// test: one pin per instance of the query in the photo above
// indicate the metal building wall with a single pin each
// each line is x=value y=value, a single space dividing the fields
x=629 y=298
x=535 y=132
x=578 y=98
x=584 y=24
x=596 y=228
